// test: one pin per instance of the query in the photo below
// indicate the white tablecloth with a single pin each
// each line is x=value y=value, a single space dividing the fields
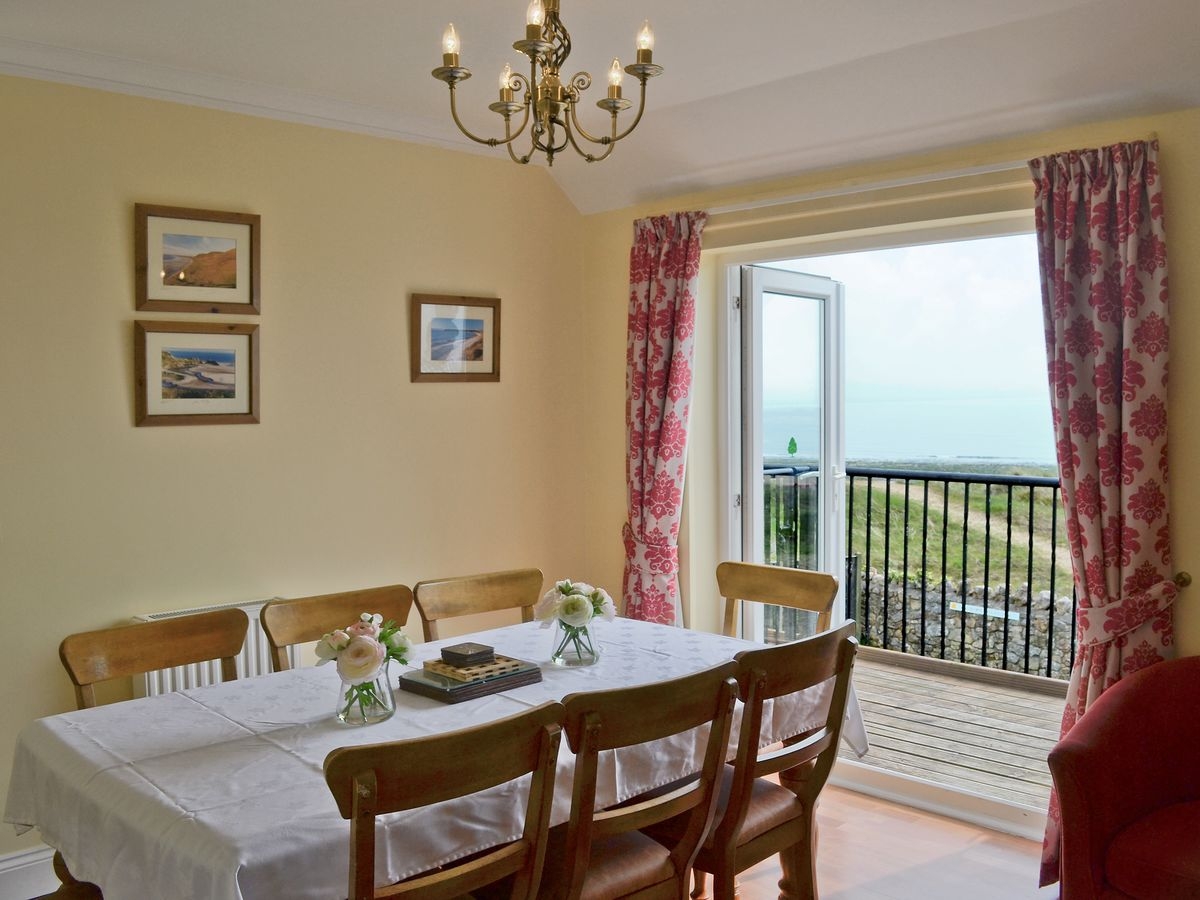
x=218 y=792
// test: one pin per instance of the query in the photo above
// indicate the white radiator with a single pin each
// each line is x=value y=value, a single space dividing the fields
x=255 y=658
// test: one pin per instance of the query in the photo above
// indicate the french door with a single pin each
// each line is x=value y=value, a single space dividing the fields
x=789 y=509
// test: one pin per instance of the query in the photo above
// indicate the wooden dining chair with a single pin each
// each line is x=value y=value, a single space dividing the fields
x=795 y=588
x=93 y=656
x=305 y=619
x=374 y=779
x=758 y=818
x=602 y=853
x=447 y=598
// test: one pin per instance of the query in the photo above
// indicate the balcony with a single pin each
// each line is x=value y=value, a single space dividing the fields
x=961 y=586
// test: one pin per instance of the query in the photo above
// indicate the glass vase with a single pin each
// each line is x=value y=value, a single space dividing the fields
x=574 y=645
x=366 y=703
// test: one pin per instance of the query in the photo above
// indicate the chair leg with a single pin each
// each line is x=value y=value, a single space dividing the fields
x=725 y=886
x=799 y=865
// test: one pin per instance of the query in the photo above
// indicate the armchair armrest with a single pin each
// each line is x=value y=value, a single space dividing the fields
x=1136 y=749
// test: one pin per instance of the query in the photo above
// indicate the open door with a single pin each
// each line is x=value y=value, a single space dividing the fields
x=791 y=507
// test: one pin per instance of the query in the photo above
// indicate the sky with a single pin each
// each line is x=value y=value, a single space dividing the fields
x=945 y=355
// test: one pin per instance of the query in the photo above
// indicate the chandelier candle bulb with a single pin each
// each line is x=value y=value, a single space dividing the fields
x=450 y=46
x=645 y=43
x=506 y=93
x=615 y=75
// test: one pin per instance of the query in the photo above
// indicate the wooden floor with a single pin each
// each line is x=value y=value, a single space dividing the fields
x=874 y=850
x=939 y=722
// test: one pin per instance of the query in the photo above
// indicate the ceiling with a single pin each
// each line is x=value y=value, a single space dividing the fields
x=752 y=89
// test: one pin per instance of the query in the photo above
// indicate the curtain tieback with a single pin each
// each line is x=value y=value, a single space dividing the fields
x=656 y=555
x=1102 y=624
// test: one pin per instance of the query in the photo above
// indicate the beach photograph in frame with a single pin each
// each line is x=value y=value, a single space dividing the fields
x=196 y=260
x=454 y=338
x=195 y=373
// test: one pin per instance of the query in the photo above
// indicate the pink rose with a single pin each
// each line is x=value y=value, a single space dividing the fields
x=361 y=660
x=367 y=625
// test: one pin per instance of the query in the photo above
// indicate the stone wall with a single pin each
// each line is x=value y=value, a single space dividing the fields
x=1049 y=638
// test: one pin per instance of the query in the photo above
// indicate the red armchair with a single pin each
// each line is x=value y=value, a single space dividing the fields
x=1128 y=782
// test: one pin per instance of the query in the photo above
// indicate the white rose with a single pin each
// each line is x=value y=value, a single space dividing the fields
x=399 y=642
x=575 y=611
x=608 y=609
x=547 y=607
x=330 y=645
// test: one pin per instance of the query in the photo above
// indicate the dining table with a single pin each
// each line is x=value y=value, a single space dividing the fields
x=218 y=792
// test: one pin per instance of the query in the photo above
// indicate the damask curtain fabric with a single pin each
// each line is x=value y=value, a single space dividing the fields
x=1103 y=257
x=664 y=265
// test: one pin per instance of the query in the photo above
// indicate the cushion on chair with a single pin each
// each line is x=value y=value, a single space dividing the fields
x=619 y=865
x=1158 y=857
x=770 y=806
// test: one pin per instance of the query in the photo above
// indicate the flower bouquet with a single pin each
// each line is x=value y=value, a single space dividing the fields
x=573 y=605
x=362 y=652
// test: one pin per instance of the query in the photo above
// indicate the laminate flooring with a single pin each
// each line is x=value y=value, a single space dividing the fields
x=871 y=849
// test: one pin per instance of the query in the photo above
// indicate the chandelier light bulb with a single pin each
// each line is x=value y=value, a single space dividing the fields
x=645 y=37
x=450 y=43
x=535 y=14
x=615 y=74
x=506 y=77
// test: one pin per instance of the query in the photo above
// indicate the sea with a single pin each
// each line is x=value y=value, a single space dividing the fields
x=1000 y=430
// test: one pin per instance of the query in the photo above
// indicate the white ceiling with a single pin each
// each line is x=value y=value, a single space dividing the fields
x=753 y=89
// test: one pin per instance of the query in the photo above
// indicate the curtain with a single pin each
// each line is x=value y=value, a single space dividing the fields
x=664 y=265
x=1103 y=259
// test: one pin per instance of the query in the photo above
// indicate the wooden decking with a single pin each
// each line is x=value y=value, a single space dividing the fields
x=960 y=726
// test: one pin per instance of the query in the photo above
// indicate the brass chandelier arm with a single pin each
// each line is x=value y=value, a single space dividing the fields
x=614 y=137
x=588 y=156
x=491 y=142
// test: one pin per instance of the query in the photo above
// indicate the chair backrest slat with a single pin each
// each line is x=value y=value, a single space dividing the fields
x=776 y=671
x=94 y=656
x=374 y=779
x=597 y=721
x=305 y=619
x=794 y=588
x=447 y=598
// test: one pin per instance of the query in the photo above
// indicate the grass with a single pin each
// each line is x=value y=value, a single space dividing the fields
x=987 y=536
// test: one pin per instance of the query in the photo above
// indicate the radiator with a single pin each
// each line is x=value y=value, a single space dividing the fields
x=255 y=658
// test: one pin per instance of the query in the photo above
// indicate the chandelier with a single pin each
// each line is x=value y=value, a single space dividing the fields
x=547 y=101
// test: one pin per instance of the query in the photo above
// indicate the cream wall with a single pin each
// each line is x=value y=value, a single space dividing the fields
x=355 y=477
x=608 y=241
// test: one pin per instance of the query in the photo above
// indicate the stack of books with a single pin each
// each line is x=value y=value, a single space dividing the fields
x=467 y=671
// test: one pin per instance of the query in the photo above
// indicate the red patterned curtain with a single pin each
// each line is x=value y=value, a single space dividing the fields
x=1103 y=256
x=664 y=263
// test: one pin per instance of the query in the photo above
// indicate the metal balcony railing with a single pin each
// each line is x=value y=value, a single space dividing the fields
x=952 y=565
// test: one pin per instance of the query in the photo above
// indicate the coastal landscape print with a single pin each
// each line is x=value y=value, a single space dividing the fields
x=199 y=261
x=198 y=373
x=455 y=339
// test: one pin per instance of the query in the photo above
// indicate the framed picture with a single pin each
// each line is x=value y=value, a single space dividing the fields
x=195 y=260
x=454 y=338
x=195 y=373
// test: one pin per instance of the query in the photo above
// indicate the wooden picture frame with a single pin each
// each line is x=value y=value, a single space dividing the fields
x=196 y=260
x=454 y=338
x=195 y=373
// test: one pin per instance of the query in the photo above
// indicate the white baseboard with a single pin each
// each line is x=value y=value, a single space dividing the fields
x=27 y=873
x=1010 y=818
